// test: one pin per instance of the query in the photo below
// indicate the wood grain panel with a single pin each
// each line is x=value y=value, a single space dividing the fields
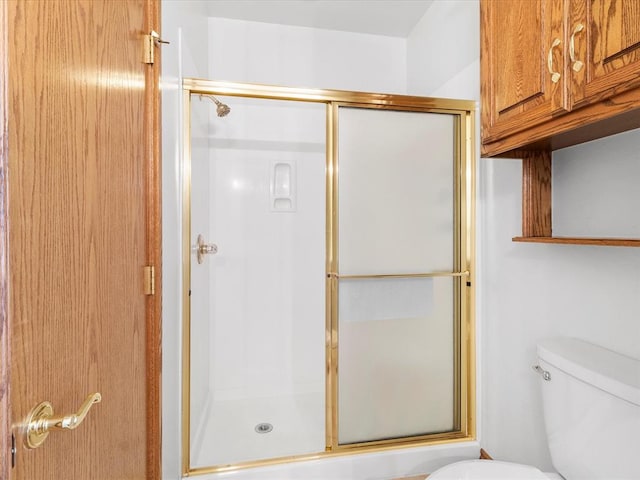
x=611 y=242
x=154 y=251
x=78 y=162
x=618 y=114
x=5 y=418
x=486 y=79
x=609 y=46
x=517 y=30
x=484 y=455
x=536 y=193
x=515 y=81
x=617 y=41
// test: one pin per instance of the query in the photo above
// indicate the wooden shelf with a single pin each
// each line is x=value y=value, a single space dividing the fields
x=613 y=242
x=536 y=206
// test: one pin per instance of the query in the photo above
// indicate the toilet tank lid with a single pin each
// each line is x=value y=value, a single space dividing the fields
x=605 y=369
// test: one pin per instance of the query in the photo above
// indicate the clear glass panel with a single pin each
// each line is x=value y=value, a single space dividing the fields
x=396 y=191
x=258 y=304
x=396 y=358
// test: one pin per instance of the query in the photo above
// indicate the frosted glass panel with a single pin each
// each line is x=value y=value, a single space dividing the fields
x=396 y=372
x=384 y=299
x=396 y=336
x=396 y=191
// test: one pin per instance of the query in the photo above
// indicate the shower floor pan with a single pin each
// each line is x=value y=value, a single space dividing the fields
x=237 y=431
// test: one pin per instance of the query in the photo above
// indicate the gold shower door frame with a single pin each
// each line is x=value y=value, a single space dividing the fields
x=463 y=112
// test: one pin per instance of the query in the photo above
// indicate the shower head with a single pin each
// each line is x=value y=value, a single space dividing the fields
x=221 y=109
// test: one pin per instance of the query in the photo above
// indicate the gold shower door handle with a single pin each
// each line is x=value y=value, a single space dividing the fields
x=41 y=420
x=555 y=76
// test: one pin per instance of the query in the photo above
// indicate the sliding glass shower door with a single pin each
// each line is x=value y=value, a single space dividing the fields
x=328 y=292
x=397 y=273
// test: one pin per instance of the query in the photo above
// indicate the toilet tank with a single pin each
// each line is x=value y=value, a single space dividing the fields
x=592 y=410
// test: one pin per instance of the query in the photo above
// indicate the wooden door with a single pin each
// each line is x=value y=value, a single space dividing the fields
x=83 y=222
x=606 y=39
x=517 y=58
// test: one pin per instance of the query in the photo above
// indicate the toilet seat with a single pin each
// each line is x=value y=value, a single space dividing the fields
x=487 y=470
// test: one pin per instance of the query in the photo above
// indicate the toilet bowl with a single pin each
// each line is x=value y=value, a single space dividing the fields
x=591 y=403
x=490 y=470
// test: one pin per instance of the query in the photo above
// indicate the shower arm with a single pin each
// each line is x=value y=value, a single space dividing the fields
x=210 y=97
x=221 y=109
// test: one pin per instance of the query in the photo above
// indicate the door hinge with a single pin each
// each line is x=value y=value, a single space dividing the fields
x=150 y=41
x=13 y=451
x=149 y=280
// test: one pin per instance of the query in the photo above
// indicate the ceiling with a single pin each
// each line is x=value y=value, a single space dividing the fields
x=395 y=18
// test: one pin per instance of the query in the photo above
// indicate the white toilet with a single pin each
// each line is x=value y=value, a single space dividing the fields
x=591 y=399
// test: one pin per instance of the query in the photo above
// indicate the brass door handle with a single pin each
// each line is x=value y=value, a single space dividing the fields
x=555 y=76
x=577 y=64
x=41 y=420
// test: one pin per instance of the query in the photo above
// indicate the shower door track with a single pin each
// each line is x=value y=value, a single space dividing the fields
x=464 y=234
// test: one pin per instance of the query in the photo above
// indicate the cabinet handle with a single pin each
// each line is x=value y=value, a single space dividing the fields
x=555 y=76
x=577 y=64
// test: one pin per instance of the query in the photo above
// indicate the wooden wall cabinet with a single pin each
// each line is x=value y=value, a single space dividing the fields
x=517 y=89
x=556 y=73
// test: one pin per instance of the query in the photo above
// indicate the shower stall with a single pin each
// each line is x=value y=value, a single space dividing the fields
x=328 y=273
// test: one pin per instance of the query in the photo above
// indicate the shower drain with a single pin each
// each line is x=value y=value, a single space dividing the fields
x=263 y=428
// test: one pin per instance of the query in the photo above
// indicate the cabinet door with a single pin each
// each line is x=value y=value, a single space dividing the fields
x=606 y=45
x=522 y=44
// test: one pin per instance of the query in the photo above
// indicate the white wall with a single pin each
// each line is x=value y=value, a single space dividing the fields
x=529 y=291
x=442 y=44
x=272 y=54
x=537 y=291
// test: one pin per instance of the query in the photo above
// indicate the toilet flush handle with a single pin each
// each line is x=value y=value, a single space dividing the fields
x=545 y=374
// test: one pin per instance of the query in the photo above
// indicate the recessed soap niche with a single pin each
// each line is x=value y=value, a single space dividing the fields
x=282 y=197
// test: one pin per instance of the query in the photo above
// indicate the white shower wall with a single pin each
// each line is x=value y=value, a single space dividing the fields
x=289 y=348
x=269 y=289
x=257 y=316
x=200 y=126
x=269 y=271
